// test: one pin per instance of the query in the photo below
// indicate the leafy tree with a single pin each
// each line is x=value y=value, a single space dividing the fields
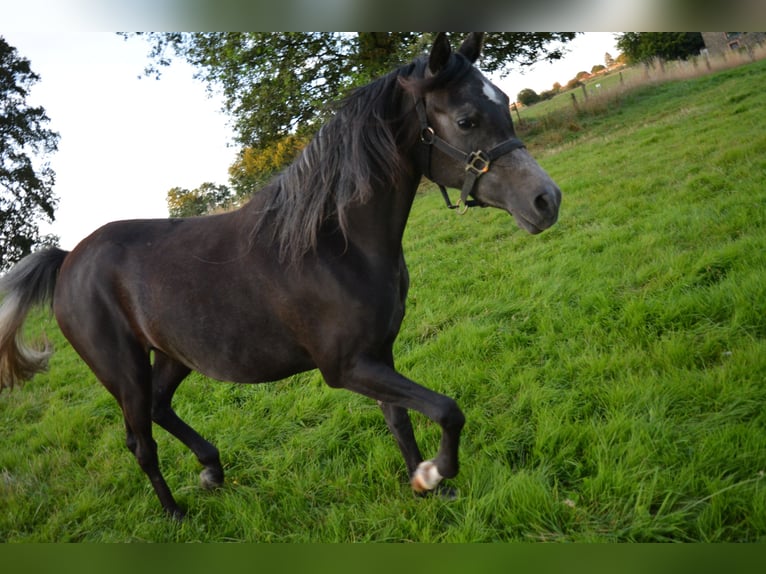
x=644 y=46
x=207 y=198
x=26 y=179
x=547 y=95
x=527 y=96
x=256 y=165
x=276 y=84
x=574 y=83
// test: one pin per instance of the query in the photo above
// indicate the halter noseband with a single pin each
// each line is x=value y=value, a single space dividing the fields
x=476 y=162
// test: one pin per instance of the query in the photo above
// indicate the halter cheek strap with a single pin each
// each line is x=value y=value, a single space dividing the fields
x=476 y=162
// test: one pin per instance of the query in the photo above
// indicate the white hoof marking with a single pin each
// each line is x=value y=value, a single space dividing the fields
x=207 y=480
x=426 y=477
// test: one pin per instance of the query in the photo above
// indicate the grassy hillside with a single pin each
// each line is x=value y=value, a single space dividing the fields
x=611 y=370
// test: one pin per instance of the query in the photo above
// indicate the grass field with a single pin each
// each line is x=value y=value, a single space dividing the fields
x=612 y=370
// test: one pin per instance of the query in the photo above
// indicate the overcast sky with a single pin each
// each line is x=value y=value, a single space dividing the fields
x=125 y=140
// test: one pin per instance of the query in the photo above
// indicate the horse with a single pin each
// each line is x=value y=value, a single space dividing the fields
x=308 y=274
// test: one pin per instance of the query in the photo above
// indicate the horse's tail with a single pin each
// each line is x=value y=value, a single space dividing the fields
x=31 y=282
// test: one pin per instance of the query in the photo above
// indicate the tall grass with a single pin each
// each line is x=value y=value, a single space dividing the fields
x=611 y=370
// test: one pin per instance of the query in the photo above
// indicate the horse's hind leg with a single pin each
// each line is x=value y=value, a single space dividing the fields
x=123 y=367
x=131 y=386
x=167 y=374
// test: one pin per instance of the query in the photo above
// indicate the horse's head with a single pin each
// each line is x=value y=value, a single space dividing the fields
x=468 y=121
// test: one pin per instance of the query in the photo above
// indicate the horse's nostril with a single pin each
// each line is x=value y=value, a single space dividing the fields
x=547 y=201
x=542 y=202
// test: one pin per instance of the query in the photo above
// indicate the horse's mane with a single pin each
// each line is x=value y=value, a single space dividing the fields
x=354 y=154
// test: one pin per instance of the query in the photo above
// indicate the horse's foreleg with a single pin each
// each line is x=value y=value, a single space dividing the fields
x=400 y=425
x=382 y=383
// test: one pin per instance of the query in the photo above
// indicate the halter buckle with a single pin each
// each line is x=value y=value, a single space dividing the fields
x=478 y=163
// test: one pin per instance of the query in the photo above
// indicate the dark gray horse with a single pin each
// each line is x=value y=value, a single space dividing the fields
x=308 y=274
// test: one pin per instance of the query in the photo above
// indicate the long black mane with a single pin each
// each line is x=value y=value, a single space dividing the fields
x=354 y=154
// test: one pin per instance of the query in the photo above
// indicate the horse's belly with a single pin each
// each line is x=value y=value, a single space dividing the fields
x=238 y=363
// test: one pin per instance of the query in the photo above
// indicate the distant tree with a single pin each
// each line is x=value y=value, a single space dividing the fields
x=597 y=68
x=256 y=165
x=547 y=95
x=608 y=60
x=527 y=96
x=26 y=178
x=644 y=46
x=207 y=198
x=556 y=87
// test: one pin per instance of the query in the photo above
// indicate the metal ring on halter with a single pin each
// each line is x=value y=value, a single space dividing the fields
x=461 y=210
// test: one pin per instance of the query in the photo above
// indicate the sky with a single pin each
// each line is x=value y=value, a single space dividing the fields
x=584 y=52
x=126 y=139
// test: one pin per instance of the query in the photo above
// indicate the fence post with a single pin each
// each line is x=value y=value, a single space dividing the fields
x=516 y=109
x=584 y=91
x=574 y=101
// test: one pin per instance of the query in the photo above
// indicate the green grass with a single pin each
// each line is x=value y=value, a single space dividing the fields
x=611 y=370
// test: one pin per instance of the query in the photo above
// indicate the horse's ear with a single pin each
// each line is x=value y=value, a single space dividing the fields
x=440 y=53
x=471 y=46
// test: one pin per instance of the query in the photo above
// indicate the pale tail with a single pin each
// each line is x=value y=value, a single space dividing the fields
x=31 y=282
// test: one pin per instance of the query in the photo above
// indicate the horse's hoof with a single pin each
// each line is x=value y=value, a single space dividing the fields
x=426 y=477
x=210 y=479
x=446 y=492
x=443 y=491
x=176 y=513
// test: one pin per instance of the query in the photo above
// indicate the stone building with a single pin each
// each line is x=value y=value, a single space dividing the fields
x=722 y=42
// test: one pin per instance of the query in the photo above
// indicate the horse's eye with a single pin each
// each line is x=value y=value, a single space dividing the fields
x=466 y=124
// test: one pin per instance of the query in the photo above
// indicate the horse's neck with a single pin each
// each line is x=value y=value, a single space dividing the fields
x=379 y=224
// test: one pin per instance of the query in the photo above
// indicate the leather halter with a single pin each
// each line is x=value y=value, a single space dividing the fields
x=476 y=162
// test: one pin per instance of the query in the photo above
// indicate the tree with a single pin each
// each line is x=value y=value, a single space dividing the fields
x=573 y=83
x=644 y=46
x=527 y=96
x=26 y=178
x=207 y=198
x=256 y=165
x=608 y=60
x=276 y=84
